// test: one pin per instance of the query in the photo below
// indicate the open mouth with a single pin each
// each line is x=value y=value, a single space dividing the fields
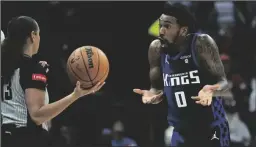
x=164 y=42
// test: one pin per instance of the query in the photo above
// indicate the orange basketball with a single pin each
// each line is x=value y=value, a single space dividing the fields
x=89 y=65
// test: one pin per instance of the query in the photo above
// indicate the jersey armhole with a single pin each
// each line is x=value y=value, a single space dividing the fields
x=22 y=80
x=161 y=69
x=193 y=46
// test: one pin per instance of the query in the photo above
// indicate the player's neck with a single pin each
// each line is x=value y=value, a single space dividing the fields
x=177 y=47
x=28 y=51
x=181 y=43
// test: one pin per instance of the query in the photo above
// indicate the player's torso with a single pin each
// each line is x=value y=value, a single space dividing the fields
x=183 y=79
x=13 y=104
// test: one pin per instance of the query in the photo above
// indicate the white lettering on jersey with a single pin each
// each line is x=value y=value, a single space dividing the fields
x=181 y=78
x=192 y=76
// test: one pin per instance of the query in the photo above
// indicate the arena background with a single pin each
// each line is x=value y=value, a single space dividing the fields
x=120 y=29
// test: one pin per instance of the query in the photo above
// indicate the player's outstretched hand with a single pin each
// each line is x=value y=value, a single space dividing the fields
x=79 y=91
x=149 y=97
x=205 y=95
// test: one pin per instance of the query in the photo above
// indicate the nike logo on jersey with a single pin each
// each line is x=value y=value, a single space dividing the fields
x=181 y=78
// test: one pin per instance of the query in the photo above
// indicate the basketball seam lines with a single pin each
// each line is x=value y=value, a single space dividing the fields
x=86 y=67
x=98 y=66
x=104 y=74
x=74 y=73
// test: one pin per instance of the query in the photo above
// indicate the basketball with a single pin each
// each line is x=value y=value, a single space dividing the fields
x=89 y=65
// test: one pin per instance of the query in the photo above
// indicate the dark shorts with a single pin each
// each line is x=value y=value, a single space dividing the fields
x=217 y=136
x=13 y=137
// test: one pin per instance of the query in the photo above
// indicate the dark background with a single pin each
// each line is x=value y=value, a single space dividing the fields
x=120 y=29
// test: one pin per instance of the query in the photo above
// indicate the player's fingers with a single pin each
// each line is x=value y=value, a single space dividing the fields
x=214 y=87
x=199 y=101
x=202 y=102
x=96 y=87
x=99 y=85
x=205 y=102
x=146 y=100
x=209 y=102
x=138 y=91
x=78 y=84
x=195 y=97
x=154 y=98
x=159 y=95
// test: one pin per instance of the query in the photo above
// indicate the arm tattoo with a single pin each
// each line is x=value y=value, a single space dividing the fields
x=208 y=54
x=154 y=53
x=154 y=58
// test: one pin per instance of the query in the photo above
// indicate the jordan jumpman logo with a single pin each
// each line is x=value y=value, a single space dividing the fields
x=214 y=136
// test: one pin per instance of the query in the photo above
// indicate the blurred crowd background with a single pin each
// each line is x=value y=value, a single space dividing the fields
x=120 y=29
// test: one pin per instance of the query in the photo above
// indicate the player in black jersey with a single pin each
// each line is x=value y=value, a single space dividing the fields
x=186 y=68
x=24 y=107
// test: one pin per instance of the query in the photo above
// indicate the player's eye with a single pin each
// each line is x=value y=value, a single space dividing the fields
x=164 y=25
x=167 y=26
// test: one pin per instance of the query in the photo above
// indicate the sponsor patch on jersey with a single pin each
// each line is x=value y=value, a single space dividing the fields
x=39 y=77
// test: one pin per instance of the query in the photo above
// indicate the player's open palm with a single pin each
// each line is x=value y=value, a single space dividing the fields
x=149 y=97
x=205 y=95
x=79 y=91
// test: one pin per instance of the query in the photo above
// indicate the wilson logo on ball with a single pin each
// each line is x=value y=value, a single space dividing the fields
x=89 y=54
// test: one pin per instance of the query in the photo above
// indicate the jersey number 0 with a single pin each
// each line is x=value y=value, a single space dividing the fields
x=181 y=99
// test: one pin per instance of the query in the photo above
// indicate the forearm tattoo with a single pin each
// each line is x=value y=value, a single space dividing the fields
x=154 y=58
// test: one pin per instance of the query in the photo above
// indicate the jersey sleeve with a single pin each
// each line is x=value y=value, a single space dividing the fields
x=34 y=76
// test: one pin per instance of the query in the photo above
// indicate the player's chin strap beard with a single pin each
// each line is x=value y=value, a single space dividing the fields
x=167 y=47
x=170 y=48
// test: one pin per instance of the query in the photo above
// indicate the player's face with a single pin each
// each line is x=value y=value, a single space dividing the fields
x=169 y=28
x=36 y=39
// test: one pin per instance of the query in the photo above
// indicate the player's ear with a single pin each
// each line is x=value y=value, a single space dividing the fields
x=33 y=36
x=184 y=31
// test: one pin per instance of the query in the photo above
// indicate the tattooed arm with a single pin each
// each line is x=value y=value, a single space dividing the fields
x=209 y=59
x=154 y=95
x=155 y=69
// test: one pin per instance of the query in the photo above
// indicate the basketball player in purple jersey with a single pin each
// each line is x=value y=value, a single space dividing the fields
x=186 y=68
